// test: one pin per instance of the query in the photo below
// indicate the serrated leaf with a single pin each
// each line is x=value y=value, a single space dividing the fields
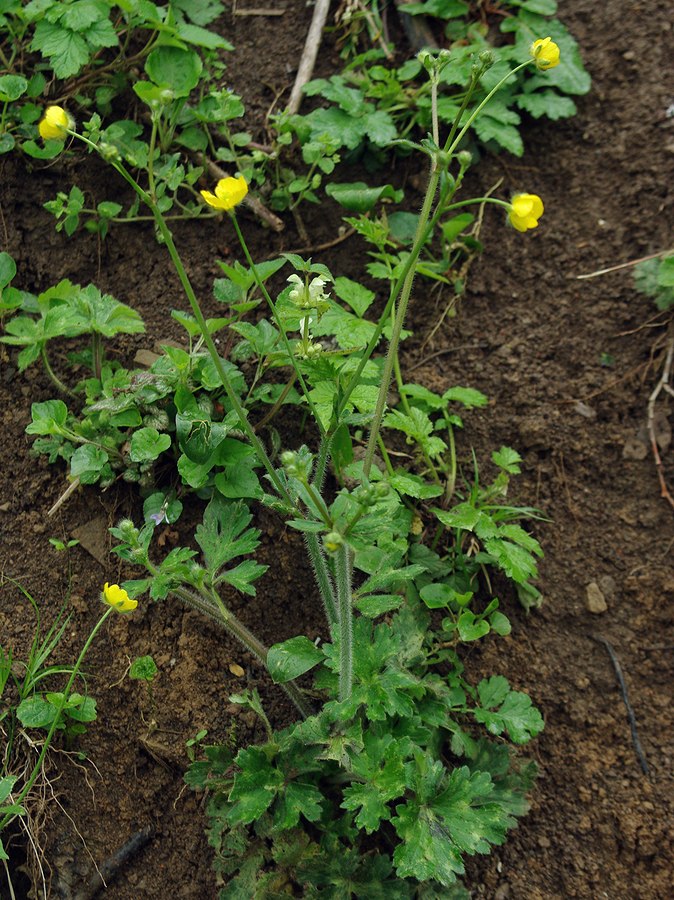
x=66 y=50
x=546 y=103
x=224 y=533
x=516 y=715
x=297 y=800
x=462 y=516
x=468 y=397
x=517 y=562
x=378 y=604
x=292 y=658
x=356 y=295
x=507 y=459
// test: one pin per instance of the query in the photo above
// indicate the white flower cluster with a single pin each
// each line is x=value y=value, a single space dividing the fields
x=308 y=296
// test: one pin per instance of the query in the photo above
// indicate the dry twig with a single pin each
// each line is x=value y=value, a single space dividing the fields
x=630 y=712
x=662 y=385
x=309 y=54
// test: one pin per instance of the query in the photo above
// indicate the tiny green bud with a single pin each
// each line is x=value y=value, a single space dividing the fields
x=426 y=59
x=109 y=152
x=487 y=59
x=332 y=541
x=288 y=458
x=381 y=489
x=167 y=95
x=465 y=158
x=443 y=160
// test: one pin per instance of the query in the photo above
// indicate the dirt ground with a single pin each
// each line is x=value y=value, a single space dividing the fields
x=531 y=336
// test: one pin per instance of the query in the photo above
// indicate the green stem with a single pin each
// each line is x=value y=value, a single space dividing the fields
x=323 y=579
x=451 y=147
x=57 y=718
x=401 y=311
x=343 y=569
x=277 y=320
x=96 y=354
x=60 y=386
x=215 y=609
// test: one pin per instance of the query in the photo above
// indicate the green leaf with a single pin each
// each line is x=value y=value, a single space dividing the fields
x=7 y=269
x=224 y=533
x=453 y=227
x=377 y=604
x=500 y=623
x=515 y=715
x=174 y=68
x=356 y=295
x=507 y=459
x=12 y=87
x=493 y=691
x=666 y=273
x=35 y=712
x=292 y=658
x=462 y=516
x=497 y=123
x=412 y=485
x=358 y=197
x=202 y=37
x=89 y=463
x=297 y=800
x=48 y=417
x=470 y=627
x=468 y=397
x=66 y=50
x=143 y=668
x=255 y=786
x=546 y=103
x=147 y=444
x=517 y=562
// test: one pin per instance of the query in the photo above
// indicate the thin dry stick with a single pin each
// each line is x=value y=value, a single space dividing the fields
x=663 y=384
x=630 y=712
x=309 y=54
x=625 y=265
x=253 y=203
x=64 y=496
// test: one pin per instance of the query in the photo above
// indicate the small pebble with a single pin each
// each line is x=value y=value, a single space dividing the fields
x=595 y=601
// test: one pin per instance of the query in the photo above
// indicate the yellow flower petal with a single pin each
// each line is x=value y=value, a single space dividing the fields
x=54 y=124
x=525 y=211
x=545 y=53
x=118 y=598
x=229 y=192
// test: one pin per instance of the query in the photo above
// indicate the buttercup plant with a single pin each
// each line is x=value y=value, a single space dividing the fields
x=396 y=745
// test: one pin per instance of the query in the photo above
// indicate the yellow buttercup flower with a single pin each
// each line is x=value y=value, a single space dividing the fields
x=117 y=597
x=229 y=192
x=54 y=124
x=525 y=211
x=545 y=53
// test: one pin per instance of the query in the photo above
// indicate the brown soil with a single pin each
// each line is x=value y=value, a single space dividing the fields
x=530 y=335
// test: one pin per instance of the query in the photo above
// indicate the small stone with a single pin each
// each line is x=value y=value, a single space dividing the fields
x=635 y=448
x=502 y=892
x=584 y=410
x=145 y=358
x=595 y=601
x=544 y=842
x=237 y=670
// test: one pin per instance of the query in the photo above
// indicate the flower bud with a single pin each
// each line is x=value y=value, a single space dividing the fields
x=487 y=59
x=109 y=152
x=465 y=158
x=332 y=541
